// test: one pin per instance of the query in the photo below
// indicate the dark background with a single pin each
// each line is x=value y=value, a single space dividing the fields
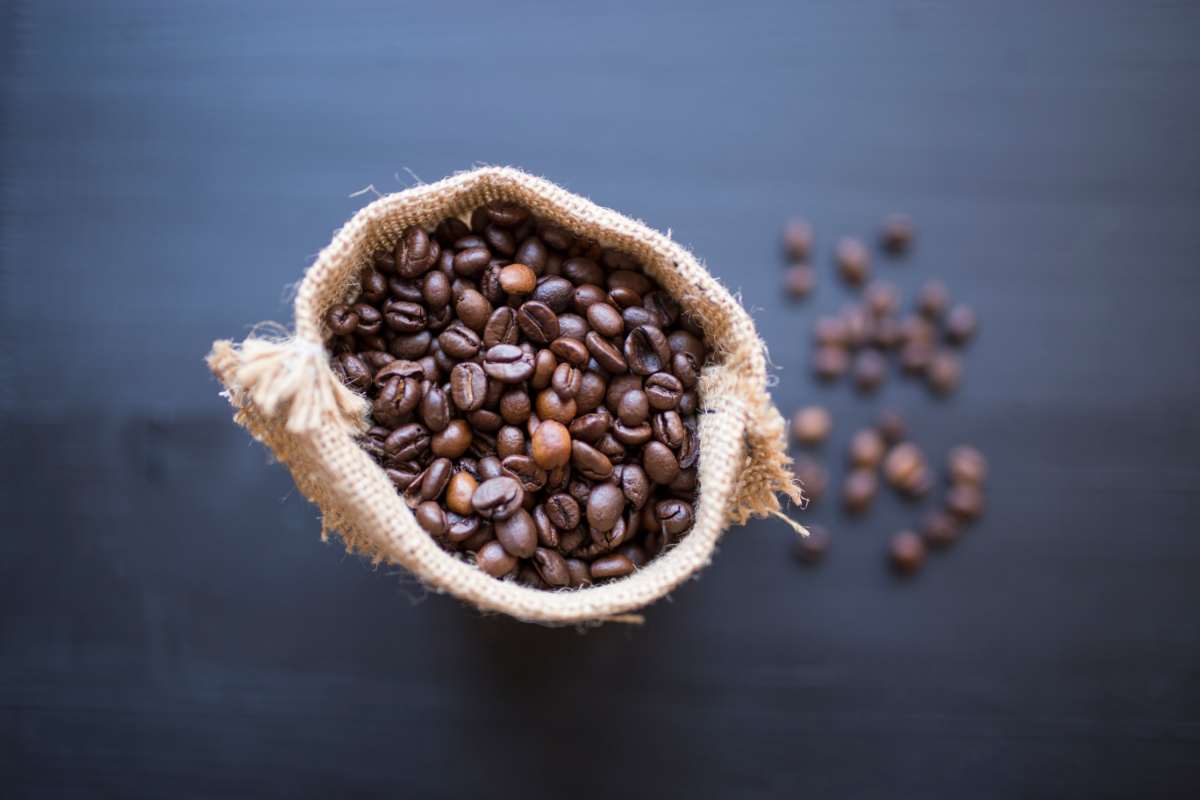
x=171 y=625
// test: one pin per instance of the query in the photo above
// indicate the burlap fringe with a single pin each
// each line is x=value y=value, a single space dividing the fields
x=288 y=397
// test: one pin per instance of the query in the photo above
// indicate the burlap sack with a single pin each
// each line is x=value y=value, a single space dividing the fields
x=287 y=396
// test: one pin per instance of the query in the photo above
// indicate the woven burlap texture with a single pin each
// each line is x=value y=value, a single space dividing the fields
x=287 y=396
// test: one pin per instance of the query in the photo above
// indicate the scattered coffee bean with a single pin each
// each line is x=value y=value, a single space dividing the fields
x=799 y=280
x=944 y=372
x=529 y=392
x=858 y=490
x=812 y=548
x=798 y=240
x=897 y=234
x=960 y=324
x=907 y=552
x=870 y=368
x=867 y=448
x=964 y=501
x=853 y=260
x=811 y=476
x=905 y=468
x=891 y=426
x=830 y=362
x=933 y=299
x=939 y=529
x=965 y=464
x=811 y=424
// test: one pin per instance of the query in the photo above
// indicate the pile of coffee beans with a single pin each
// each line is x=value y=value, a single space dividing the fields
x=533 y=395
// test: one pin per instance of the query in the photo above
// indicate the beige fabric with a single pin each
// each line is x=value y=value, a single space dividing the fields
x=287 y=396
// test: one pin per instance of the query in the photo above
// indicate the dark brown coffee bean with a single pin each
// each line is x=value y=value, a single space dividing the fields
x=510 y=441
x=859 y=490
x=407 y=290
x=525 y=469
x=675 y=517
x=453 y=441
x=960 y=324
x=647 y=351
x=462 y=528
x=552 y=406
x=431 y=517
x=556 y=237
x=897 y=234
x=493 y=559
x=590 y=462
x=518 y=279
x=544 y=365
x=867 y=448
x=611 y=447
x=459 y=342
x=604 y=507
x=586 y=296
x=944 y=372
x=471 y=263
x=881 y=298
x=403 y=473
x=870 y=368
x=663 y=391
x=965 y=464
x=571 y=351
x=890 y=425
x=370 y=321
x=634 y=408
x=342 y=320
x=638 y=315
x=582 y=270
x=607 y=356
x=797 y=240
x=435 y=409
x=635 y=485
x=811 y=425
x=830 y=362
x=811 y=476
x=939 y=529
x=384 y=261
x=374 y=287
x=685 y=367
x=489 y=467
x=538 y=322
x=688 y=403
x=506 y=214
x=497 y=498
x=667 y=427
x=563 y=511
x=964 y=501
x=662 y=306
x=404 y=317
x=515 y=406
x=624 y=298
x=517 y=533
x=590 y=427
x=659 y=462
x=449 y=230
x=430 y=484
x=812 y=548
x=907 y=552
x=407 y=443
x=904 y=465
x=566 y=381
x=501 y=328
x=853 y=260
x=396 y=401
x=551 y=567
x=591 y=392
x=915 y=357
x=468 y=386
x=572 y=326
x=689 y=451
x=933 y=299
x=551 y=446
x=435 y=290
x=614 y=565
x=508 y=363
x=799 y=280
x=411 y=346
x=500 y=240
x=555 y=292
x=532 y=251
x=459 y=493
x=355 y=372
x=546 y=532
x=415 y=252
x=605 y=319
x=485 y=420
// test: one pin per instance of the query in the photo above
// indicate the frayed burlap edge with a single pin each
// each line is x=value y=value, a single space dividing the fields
x=288 y=398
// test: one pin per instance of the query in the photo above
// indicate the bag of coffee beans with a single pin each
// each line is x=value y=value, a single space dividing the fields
x=534 y=403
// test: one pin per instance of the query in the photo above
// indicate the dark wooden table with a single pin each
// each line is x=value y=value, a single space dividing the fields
x=170 y=624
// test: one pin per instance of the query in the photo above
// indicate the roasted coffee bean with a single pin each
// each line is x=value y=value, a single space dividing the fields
x=590 y=462
x=881 y=298
x=964 y=501
x=590 y=427
x=915 y=357
x=508 y=363
x=415 y=252
x=510 y=441
x=933 y=299
x=459 y=342
x=551 y=445
x=907 y=552
x=435 y=409
x=605 y=320
x=633 y=316
x=607 y=356
x=430 y=484
x=965 y=464
x=403 y=473
x=546 y=532
x=411 y=346
x=944 y=372
x=373 y=440
x=635 y=485
x=555 y=292
x=667 y=427
x=904 y=465
x=623 y=298
x=431 y=517
x=939 y=529
x=460 y=492
x=399 y=368
x=374 y=287
x=867 y=448
x=544 y=367
x=370 y=321
x=515 y=406
x=647 y=351
x=571 y=351
x=500 y=240
x=663 y=306
x=686 y=369
x=870 y=368
x=449 y=230
x=663 y=391
x=552 y=406
x=960 y=324
x=830 y=362
x=517 y=533
x=831 y=331
x=489 y=467
x=551 y=566
x=566 y=381
x=659 y=462
x=591 y=392
x=797 y=239
x=611 y=566
x=586 y=296
x=811 y=549
x=811 y=477
x=404 y=317
x=572 y=326
x=688 y=403
x=501 y=328
x=395 y=401
x=859 y=490
x=811 y=425
x=526 y=470
x=582 y=270
x=453 y=441
x=634 y=408
x=497 y=498
x=604 y=507
x=532 y=252
x=407 y=443
x=485 y=420
x=613 y=447
x=342 y=320
x=799 y=280
x=493 y=559
x=473 y=309
x=890 y=425
x=563 y=511
x=889 y=333
x=674 y=516
x=853 y=260
x=518 y=279
x=468 y=386
x=538 y=322
x=897 y=234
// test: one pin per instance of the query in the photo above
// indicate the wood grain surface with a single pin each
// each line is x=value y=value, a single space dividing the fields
x=171 y=625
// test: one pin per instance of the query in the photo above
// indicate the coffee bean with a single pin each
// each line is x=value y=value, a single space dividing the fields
x=552 y=406
x=450 y=229
x=605 y=320
x=607 y=356
x=797 y=240
x=592 y=390
x=435 y=409
x=897 y=234
x=510 y=441
x=370 y=321
x=415 y=252
x=580 y=573
x=799 y=280
x=582 y=270
x=555 y=292
x=518 y=279
x=552 y=567
x=497 y=498
x=493 y=559
x=933 y=299
x=675 y=517
x=859 y=490
x=960 y=324
x=811 y=476
x=907 y=552
x=431 y=517
x=915 y=357
x=867 y=448
x=501 y=328
x=831 y=331
x=965 y=464
x=403 y=473
x=531 y=477
x=590 y=462
x=459 y=342
x=881 y=298
x=453 y=441
x=517 y=533
x=407 y=443
x=515 y=406
x=604 y=507
x=667 y=427
x=647 y=351
x=566 y=381
x=563 y=511
x=662 y=391
x=853 y=260
x=939 y=529
x=590 y=427
x=551 y=446
x=811 y=549
x=572 y=326
x=538 y=322
x=964 y=501
x=508 y=363
x=811 y=425
x=468 y=386
x=571 y=351
x=430 y=483
x=944 y=372
x=342 y=320
x=830 y=362
x=460 y=492
x=404 y=317
x=544 y=367
x=659 y=462
x=870 y=368
x=611 y=566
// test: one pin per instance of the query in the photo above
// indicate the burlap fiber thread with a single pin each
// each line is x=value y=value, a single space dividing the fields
x=287 y=396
